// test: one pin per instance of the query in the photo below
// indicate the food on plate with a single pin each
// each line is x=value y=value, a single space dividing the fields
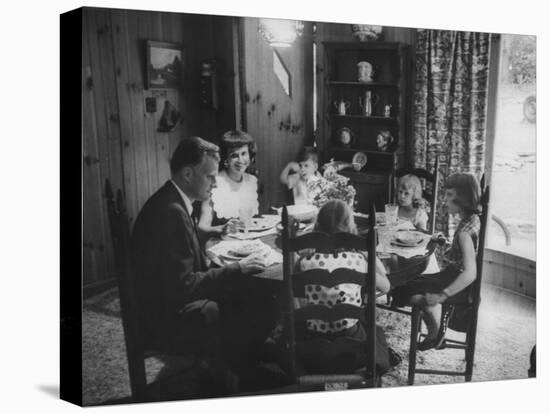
x=247 y=248
x=408 y=237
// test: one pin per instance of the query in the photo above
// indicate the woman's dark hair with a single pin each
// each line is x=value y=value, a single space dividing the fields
x=467 y=190
x=233 y=140
x=335 y=216
x=191 y=151
x=308 y=153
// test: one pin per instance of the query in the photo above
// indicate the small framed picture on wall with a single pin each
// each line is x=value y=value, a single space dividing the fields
x=164 y=65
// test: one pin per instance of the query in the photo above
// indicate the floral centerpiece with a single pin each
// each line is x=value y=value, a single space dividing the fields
x=333 y=186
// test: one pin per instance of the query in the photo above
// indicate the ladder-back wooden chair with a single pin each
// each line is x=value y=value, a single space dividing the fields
x=120 y=233
x=170 y=386
x=296 y=281
x=467 y=301
x=429 y=191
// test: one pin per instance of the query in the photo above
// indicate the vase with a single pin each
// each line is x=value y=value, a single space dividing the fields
x=366 y=32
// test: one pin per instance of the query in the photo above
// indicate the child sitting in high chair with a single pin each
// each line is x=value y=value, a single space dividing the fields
x=462 y=197
x=302 y=176
x=410 y=201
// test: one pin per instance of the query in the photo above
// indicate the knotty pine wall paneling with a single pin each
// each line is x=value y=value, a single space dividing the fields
x=121 y=140
x=279 y=123
x=101 y=144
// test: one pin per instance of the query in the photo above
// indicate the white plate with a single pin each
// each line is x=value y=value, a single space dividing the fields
x=359 y=158
x=401 y=236
x=301 y=226
x=244 y=249
x=263 y=223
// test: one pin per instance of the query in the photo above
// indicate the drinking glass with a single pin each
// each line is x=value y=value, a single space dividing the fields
x=245 y=215
x=391 y=211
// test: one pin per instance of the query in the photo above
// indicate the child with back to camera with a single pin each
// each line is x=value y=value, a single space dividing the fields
x=411 y=203
x=462 y=196
x=336 y=216
x=302 y=176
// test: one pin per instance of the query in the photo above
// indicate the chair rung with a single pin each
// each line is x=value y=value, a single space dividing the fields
x=455 y=346
x=454 y=341
x=439 y=372
x=393 y=309
x=316 y=379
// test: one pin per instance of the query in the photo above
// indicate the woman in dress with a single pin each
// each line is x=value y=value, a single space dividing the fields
x=236 y=191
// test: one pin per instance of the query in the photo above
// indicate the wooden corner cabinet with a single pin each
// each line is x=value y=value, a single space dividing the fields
x=364 y=97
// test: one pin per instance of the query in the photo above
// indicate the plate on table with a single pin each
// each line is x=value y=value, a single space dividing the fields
x=263 y=223
x=301 y=227
x=245 y=249
x=407 y=238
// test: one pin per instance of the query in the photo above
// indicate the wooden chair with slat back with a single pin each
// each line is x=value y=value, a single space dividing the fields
x=467 y=301
x=296 y=281
x=429 y=191
x=135 y=350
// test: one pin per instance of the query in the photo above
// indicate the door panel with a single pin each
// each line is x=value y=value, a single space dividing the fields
x=279 y=123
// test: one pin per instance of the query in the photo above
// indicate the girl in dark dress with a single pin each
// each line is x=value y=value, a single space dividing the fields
x=462 y=195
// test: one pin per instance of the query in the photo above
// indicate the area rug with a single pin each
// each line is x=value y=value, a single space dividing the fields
x=506 y=334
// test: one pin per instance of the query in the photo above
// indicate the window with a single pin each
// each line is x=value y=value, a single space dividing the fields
x=512 y=227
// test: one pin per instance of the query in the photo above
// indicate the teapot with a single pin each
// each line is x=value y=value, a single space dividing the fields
x=365 y=71
x=367 y=102
x=341 y=106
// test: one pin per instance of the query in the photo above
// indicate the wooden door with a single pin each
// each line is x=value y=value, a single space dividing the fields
x=280 y=123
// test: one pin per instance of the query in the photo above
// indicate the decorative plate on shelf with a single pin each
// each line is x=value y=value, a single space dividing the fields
x=345 y=137
x=359 y=160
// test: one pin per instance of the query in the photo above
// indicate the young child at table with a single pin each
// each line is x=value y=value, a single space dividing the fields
x=302 y=176
x=410 y=201
x=462 y=196
x=337 y=216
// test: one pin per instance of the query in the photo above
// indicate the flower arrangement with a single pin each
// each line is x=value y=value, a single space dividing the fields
x=333 y=186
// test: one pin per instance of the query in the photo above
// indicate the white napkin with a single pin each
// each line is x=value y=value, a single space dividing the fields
x=223 y=247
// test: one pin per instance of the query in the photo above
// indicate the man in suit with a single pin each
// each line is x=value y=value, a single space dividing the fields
x=180 y=298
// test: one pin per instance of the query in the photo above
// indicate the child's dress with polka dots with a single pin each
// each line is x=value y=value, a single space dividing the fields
x=344 y=293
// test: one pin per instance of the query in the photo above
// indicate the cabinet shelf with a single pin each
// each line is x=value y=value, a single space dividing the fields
x=366 y=151
x=390 y=85
x=366 y=118
x=364 y=84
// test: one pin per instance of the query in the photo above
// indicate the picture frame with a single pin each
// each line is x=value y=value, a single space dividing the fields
x=164 y=66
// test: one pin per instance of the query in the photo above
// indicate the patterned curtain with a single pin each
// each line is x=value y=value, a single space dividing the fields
x=450 y=105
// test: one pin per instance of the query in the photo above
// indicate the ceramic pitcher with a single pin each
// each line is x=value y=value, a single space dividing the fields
x=341 y=106
x=367 y=102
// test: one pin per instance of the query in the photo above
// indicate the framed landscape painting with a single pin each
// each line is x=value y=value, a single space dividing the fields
x=164 y=65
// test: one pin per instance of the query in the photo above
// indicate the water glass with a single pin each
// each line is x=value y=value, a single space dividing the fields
x=245 y=215
x=391 y=211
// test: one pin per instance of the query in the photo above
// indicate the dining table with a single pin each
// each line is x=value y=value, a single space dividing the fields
x=399 y=268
